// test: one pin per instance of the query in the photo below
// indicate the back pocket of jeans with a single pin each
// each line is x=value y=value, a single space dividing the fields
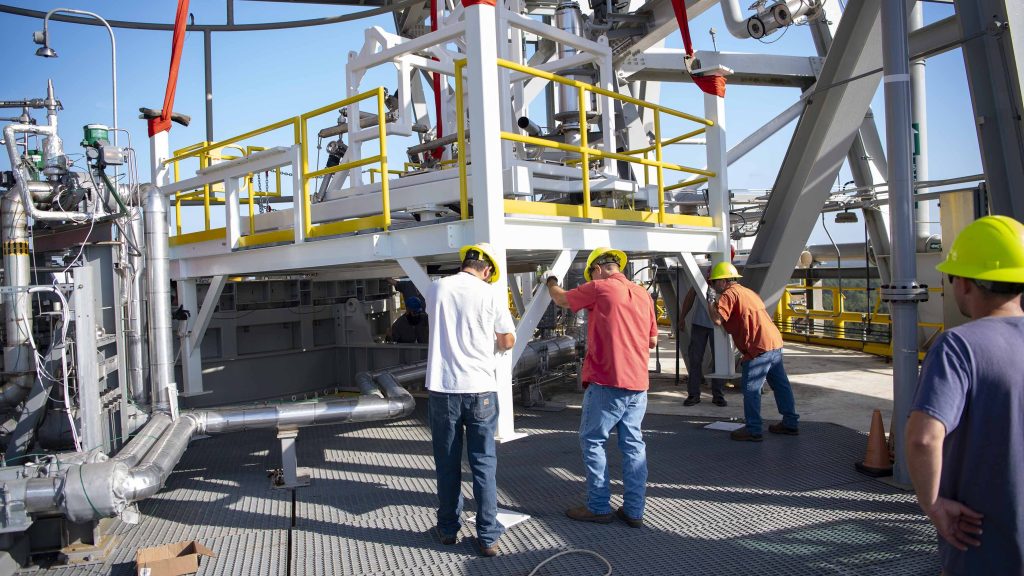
x=486 y=406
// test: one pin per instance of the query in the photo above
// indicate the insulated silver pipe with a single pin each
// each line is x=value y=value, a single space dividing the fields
x=105 y=488
x=140 y=445
x=148 y=477
x=22 y=181
x=365 y=408
x=19 y=362
x=568 y=19
x=158 y=291
x=136 y=350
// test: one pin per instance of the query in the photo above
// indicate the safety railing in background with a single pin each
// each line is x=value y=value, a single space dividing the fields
x=207 y=152
x=869 y=330
x=208 y=194
x=586 y=153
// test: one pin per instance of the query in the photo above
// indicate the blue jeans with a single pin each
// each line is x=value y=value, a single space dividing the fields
x=474 y=416
x=767 y=366
x=606 y=408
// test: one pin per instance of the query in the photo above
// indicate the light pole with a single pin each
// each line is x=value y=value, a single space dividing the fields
x=47 y=52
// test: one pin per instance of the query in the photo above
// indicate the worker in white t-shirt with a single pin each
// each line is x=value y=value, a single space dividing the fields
x=469 y=324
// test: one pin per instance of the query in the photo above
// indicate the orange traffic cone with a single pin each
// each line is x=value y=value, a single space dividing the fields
x=876 y=458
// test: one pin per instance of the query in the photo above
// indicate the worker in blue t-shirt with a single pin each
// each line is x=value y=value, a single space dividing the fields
x=965 y=435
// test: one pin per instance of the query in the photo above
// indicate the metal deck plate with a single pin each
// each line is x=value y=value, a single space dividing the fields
x=789 y=505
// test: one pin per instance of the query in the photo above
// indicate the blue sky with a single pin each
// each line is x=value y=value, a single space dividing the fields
x=262 y=77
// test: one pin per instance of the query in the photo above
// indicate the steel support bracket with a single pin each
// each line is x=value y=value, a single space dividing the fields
x=290 y=475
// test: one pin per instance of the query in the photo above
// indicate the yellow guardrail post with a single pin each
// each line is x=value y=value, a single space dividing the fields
x=307 y=208
x=382 y=134
x=252 y=210
x=661 y=171
x=584 y=150
x=460 y=125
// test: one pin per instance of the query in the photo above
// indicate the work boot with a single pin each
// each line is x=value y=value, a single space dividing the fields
x=487 y=551
x=633 y=522
x=691 y=400
x=583 y=514
x=781 y=428
x=720 y=401
x=446 y=539
x=744 y=435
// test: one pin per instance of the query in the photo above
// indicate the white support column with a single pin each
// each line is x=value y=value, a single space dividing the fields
x=191 y=364
x=298 y=195
x=485 y=183
x=231 y=223
x=535 y=310
x=416 y=273
x=718 y=208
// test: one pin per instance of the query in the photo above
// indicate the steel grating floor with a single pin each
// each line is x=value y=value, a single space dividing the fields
x=789 y=505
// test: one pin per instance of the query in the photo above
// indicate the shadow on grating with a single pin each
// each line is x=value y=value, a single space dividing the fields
x=789 y=505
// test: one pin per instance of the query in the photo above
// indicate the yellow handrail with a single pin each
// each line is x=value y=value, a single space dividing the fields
x=586 y=153
x=205 y=152
x=839 y=316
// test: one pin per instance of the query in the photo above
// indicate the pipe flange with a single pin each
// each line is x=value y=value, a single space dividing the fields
x=910 y=292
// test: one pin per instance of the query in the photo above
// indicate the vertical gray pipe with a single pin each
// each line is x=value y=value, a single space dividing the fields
x=922 y=209
x=161 y=351
x=136 y=349
x=18 y=360
x=208 y=67
x=896 y=75
x=568 y=19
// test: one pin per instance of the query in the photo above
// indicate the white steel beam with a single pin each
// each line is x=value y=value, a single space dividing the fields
x=205 y=313
x=666 y=64
x=820 y=144
x=994 y=59
x=416 y=273
x=535 y=310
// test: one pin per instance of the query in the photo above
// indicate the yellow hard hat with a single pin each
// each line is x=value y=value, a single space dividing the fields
x=990 y=248
x=475 y=251
x=724 y=271
x=603 y=250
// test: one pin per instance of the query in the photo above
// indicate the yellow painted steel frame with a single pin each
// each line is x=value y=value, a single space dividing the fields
x=785 y=313
x=586 y=153
x=206 y=152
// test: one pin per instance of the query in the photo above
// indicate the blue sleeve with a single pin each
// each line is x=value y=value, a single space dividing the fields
x=945 y=381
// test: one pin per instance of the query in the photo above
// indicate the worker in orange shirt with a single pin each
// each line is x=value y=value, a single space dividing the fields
x=742 y=313
x=621 y=329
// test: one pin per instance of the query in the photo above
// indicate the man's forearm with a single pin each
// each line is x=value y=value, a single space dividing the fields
x=716 y=318
x=557 y=295
x=924 y=460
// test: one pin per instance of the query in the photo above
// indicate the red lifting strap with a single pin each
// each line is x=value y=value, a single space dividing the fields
x=163 y=123
x=709 y=84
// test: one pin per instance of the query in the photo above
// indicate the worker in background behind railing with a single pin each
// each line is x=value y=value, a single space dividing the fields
x=411 y=327
x=702 y=331
x=621 y=328
x=965 y=434
x=469 y=321
x=741 y=312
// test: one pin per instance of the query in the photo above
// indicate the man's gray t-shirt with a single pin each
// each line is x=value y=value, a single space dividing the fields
x=700 y=313
x=973 y=382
